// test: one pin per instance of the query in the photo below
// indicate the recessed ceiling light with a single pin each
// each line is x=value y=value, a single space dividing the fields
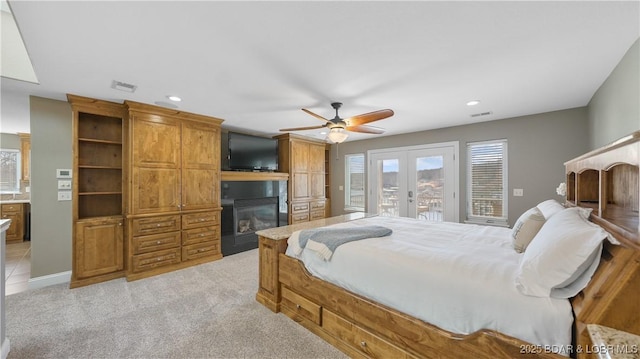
x=473 y=103
x=174 y=98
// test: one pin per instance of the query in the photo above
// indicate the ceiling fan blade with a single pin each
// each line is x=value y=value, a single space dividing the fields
x=302 y=128
x=368 y=117
x=365 y=129
x=315 y=115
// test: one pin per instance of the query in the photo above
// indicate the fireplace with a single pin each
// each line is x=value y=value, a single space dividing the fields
x=251 y=215
x=248 y=207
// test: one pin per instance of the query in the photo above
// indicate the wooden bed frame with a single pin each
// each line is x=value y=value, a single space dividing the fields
x=605 y=180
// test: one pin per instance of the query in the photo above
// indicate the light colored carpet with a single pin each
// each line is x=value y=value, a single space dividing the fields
x=206 y=311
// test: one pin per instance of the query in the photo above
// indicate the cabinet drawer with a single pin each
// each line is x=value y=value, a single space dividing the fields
x=299 y=207
x=368 y=343
x=317 y=205
x=194 y=220
x=301 y=305
x=299 y=217
x=13 y=207
x=155 y=242
x=148 y=261
x=198 y=235
x=317 y=214
x=205 y=249
x=153 y=225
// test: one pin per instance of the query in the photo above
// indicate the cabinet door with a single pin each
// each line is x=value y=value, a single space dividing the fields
x=199 y=189
x=98 y=247
x=156 y=165
x=299 y=156
x=200 y=145
x=14 y=231
x=200 y=163
x=155 y=190
x=156 y=142
x=316 y=158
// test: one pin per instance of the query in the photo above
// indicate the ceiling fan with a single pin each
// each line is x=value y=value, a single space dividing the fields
x=337 y=126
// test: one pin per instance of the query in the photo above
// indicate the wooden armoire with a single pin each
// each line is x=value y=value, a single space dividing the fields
x=304 y=159
x=146 y=190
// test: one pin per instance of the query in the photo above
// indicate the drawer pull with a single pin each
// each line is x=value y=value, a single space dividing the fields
x=201 y=219
x=363 y=344
x=158 y=225
x=158 y=242
x=202 y=234
x=297 y=306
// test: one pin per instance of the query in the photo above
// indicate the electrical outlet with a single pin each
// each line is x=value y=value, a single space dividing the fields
x=518 y=192
x=64 y=195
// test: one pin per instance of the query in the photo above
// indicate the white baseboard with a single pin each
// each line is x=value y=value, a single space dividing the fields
x=51 y=279
x=6 y=346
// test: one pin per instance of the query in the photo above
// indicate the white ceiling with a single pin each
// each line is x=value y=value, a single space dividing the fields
x=256 y=64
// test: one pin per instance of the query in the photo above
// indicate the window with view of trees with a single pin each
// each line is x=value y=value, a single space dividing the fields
x=9 y=171
x=487 y=182
x=354 y=182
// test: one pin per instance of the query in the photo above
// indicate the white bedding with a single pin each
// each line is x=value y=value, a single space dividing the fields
x=459 y=277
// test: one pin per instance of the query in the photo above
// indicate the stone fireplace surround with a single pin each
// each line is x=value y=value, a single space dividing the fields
x=249 y=202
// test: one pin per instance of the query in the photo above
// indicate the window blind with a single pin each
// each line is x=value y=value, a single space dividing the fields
x=487 y=181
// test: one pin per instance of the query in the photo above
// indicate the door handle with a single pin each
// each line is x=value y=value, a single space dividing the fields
x=410 y=194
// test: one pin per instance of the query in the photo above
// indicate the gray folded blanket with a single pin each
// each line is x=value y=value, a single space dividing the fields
x=324 y=241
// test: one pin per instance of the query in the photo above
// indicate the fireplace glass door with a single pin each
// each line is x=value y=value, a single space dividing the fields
x=255 y=214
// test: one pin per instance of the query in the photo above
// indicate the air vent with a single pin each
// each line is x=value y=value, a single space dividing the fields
x=123 y=86
x=481 y=114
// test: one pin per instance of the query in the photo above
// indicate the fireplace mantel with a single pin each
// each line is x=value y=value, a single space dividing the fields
x=253 y=176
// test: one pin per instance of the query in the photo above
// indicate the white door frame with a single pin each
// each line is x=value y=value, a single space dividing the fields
x=372 y=205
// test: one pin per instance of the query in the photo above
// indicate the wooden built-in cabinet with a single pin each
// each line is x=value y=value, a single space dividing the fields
x=145 y=190
x=98 y=211
x=25 y=153
x=304 y=159
x=17 y=213
x=607 y=181
x=174 y=208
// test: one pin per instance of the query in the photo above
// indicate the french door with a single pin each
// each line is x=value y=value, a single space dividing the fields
x=418 y=182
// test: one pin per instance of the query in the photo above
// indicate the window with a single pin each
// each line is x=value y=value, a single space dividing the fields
x=9 y=171
x=354 y=182
x=487 y=182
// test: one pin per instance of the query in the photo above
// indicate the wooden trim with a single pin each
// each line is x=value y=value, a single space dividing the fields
x=253 y=176
x=167 y=112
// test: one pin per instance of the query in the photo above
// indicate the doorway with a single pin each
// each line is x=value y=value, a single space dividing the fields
x=417 y=182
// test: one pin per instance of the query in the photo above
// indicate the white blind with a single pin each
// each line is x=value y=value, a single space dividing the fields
x=354 y=182
x=487 y=181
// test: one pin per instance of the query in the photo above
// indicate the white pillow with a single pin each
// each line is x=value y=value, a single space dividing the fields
x=526 y=228
x=559 y=261
x=549 y=208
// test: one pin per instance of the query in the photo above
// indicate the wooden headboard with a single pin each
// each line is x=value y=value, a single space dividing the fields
x=606 y=180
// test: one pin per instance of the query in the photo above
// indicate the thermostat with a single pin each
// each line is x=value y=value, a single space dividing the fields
x=63 y=173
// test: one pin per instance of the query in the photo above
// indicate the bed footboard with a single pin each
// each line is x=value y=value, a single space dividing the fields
x=361 y=327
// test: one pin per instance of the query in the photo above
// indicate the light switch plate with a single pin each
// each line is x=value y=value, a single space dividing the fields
x=64 y=184
x=518 y=192
x=64 y=195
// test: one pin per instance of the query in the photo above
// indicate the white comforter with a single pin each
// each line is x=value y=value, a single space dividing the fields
x=459 y=277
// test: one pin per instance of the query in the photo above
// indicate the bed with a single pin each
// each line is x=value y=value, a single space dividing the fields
x=413 y=317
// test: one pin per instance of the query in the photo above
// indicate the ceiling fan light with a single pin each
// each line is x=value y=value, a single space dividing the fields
x=337 y=135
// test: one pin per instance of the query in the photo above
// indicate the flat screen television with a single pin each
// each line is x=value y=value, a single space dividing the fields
x=252 y=153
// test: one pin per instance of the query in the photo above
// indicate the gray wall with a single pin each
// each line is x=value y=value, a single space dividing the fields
x=538 y=146
x=51 y=148
x=614 y=110
x=9 y=141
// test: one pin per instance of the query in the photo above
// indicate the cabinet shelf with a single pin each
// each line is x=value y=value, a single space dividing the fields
x=100 y=167
x=97 y=140
x=97 y=193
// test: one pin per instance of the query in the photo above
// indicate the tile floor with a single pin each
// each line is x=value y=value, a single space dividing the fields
x=17 y=269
